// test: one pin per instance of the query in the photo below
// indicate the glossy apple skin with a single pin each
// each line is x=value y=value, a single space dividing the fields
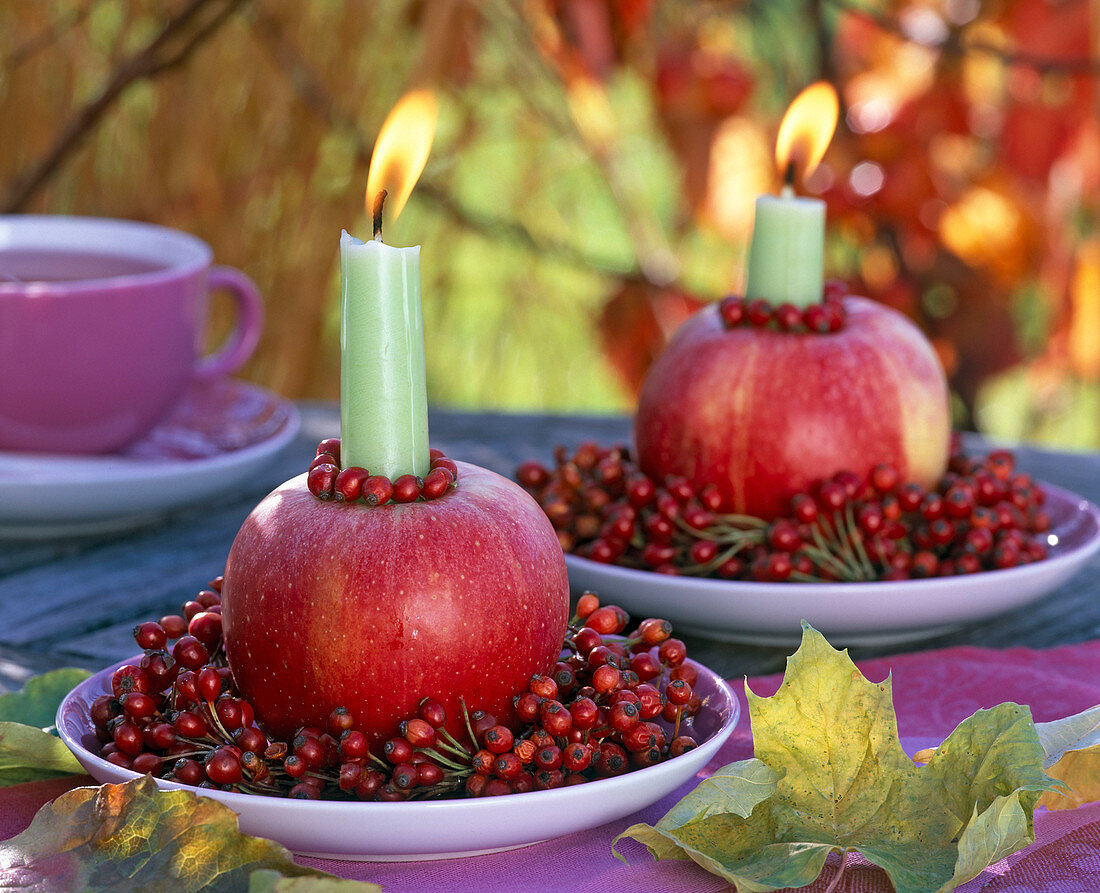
x=763 y=414
x=330 y=604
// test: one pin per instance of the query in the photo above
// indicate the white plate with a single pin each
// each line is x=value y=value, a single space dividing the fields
x=442 y=829
x=217 y=436
x=849 y=613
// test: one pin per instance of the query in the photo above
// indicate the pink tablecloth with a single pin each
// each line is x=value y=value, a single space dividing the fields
x=933 y=691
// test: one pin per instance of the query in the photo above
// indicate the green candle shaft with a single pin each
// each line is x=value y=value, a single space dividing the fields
x=383 y=389
x=787 y=252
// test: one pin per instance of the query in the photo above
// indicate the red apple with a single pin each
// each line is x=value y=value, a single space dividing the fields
x=328 y=604
x=763 y=414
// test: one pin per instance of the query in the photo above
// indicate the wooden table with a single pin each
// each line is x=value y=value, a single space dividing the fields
x=73 y=602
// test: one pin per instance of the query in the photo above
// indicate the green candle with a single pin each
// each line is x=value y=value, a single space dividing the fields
x=787 y=252
x=383 y=391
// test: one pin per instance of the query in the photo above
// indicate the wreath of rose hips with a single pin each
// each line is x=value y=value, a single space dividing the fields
x=328 y=481
x=982 y=515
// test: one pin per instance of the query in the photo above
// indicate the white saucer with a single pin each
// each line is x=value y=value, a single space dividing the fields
x=849 y=613
x=217 y=436
x=431 y=829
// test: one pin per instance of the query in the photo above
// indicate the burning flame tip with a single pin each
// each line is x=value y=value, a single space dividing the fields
x=807 y=128
x=402 y=149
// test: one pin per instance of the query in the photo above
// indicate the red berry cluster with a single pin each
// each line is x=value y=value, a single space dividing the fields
x=327 y=480
x=982 y=515
x=608 y=706
x=612 y=703
x=828 y=316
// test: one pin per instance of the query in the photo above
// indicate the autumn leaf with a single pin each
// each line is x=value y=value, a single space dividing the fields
x=830 y=775
x=1079 y=770
x=1072 y=748
x=28 y=750
x=133 y=837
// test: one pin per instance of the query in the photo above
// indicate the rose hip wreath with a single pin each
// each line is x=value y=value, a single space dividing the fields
x=328 y=481
x=826 y=316
x=982 y=515
x=613 y=703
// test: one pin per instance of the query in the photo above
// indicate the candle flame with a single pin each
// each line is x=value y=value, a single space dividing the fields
x=807 y=129
x=401 y=150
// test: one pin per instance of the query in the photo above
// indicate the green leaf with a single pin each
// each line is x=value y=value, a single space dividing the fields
x=661 y=844
x=842 y=782
x=133 y=837
x=29 y=754
x=735 y=788
x=1002 y=829
x=721 y=842
x=992 y=754
x=36 y=705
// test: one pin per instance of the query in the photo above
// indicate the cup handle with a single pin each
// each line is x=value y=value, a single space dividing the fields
x=239 y=345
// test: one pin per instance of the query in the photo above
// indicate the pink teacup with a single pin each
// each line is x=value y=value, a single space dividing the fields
x=101 y=323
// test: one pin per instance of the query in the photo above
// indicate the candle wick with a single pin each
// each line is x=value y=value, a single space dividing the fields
x=378 y=202
x=788 y=175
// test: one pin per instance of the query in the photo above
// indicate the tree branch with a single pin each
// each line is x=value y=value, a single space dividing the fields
x=172 y=47
x=196 y=40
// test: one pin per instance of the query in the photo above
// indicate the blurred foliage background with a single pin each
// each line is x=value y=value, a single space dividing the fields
x=594 y=173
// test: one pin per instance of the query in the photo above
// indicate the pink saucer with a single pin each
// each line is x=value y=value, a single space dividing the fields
x=219 y=435
x=215 y=419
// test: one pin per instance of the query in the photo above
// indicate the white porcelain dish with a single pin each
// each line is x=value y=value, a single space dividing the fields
x=443 y=829
x=849 y=613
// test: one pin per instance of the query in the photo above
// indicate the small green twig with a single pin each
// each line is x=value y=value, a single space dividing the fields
x=857 y=541
x=440 y=758
x=466 y=717
x=831 y=528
